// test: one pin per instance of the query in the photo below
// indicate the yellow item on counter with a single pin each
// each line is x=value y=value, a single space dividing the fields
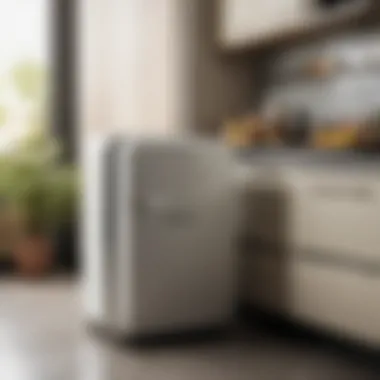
x=320 y=68
x=341 y=137
x=242 y=132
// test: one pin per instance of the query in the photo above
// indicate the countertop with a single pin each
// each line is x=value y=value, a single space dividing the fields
x=307 y=157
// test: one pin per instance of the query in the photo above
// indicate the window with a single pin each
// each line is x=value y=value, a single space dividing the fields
x=24 y=67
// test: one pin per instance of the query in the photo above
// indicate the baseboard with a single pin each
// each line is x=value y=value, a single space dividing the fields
x=200 y=335
x=6 y=265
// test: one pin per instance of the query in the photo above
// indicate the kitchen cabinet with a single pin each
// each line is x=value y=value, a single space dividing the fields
x=315 y=256
x=335 y=213
x=248 y=22
x=340 y=301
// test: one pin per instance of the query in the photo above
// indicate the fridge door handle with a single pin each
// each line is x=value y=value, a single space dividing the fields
x=166 y=208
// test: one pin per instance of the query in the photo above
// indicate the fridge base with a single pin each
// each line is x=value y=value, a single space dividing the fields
x=202 y=334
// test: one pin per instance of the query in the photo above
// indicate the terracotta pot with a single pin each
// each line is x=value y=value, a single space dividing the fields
x=33 y=256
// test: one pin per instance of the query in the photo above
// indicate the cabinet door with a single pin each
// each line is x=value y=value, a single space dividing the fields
x=336 y=299
x=248 y=21
x=337 y=214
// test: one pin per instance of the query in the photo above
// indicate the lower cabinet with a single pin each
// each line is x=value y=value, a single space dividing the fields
x=335 y=213
x=319 y=257
x=339 y=300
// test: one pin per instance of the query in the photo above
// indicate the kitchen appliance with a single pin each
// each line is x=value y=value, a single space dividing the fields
x=160 y=219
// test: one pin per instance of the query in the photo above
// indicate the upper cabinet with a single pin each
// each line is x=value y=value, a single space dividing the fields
x=250 y=22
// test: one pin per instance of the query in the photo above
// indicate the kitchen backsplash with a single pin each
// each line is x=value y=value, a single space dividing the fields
x=352 y=93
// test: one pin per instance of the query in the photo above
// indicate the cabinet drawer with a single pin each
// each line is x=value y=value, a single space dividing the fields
x=338 y=216
x=342 y=301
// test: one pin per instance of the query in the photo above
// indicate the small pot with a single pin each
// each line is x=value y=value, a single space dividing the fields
x=33 y=255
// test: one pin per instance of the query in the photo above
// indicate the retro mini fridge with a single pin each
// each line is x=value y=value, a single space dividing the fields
x=160 y=222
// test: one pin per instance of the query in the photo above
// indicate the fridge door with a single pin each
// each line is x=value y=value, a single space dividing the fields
x=185 y=219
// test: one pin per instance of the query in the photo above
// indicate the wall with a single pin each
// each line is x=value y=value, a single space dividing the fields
x=152 y=66
x=131 y=65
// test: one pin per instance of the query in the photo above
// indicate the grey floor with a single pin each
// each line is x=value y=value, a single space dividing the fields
x=42 y=338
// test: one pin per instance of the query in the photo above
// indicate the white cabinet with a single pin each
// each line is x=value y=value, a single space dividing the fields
x=244 y=22
x=317 y=260
x=335 y=299
x=336 y=213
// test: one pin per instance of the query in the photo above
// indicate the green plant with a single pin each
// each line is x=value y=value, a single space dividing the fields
x=29 y=78
x=33 y=183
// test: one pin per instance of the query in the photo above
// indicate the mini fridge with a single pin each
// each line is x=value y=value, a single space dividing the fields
x=160 y=222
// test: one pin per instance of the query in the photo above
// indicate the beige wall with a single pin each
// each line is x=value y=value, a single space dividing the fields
x=152 y=66
x=130 y=65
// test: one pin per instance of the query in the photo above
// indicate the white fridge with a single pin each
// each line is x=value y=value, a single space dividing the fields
x=160 y=222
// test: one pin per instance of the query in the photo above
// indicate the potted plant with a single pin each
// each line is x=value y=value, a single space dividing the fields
x=40 y=194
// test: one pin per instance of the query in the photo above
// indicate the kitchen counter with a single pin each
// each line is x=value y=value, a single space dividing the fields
x=307 y=156
x=273 y=159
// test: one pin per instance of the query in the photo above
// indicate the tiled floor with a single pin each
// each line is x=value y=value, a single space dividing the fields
x=41 y=338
